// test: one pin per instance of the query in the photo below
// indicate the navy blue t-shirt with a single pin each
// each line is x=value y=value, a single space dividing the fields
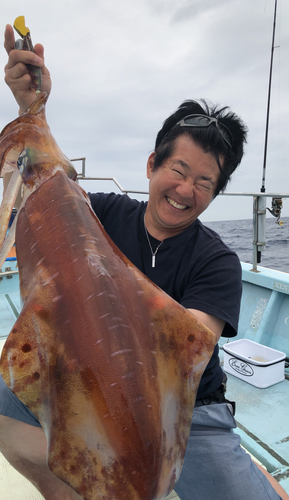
x=194 y=267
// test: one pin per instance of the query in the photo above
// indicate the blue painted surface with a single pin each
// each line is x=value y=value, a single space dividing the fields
x=262 y=418
x=262 y=414
x=9 y=299
x=264 y=315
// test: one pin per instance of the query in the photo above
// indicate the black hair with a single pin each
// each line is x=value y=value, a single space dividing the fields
x=208 y=138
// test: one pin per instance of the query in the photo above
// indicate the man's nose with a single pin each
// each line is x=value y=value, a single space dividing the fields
x=186 y=189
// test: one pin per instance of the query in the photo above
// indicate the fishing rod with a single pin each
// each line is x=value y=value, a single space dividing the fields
x=276 y=202
x=263 y=189
x=259 y=206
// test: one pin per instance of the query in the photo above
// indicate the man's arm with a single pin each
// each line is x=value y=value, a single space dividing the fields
x=212 y=322
x=19 y=80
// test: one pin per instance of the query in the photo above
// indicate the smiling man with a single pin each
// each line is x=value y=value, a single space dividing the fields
x=195 y=154
x=196 y=151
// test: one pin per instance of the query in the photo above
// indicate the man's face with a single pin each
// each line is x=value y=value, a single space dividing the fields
x=180 y=189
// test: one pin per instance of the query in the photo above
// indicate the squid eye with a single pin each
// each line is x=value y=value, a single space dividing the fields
x=22 y=160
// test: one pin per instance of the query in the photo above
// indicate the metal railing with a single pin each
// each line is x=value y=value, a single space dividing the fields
x=259 y=209
x=82 y=177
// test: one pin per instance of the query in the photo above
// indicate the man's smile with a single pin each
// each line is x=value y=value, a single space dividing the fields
x=175 y=204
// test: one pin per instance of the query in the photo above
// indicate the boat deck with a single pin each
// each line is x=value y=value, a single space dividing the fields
x=262 y=419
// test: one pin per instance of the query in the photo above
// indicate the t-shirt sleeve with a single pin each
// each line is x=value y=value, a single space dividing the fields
x=215 y=288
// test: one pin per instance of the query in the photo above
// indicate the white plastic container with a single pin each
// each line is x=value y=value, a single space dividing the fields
x=254 y=363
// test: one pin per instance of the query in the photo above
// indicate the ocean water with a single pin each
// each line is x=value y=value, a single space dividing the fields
x=238 y=235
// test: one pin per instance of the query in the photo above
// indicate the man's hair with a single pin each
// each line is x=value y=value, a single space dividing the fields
x=208 y=138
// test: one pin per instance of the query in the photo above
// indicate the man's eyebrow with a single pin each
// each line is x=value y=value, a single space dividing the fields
x=182 y=163
x=205 y=178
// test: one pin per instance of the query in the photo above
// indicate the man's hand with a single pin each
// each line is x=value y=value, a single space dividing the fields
x=16 y=72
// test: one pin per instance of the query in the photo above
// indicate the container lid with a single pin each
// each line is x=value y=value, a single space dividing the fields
x=243 y=348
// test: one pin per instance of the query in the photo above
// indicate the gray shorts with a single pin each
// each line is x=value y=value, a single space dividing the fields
x=215 y=465
x=11 y=406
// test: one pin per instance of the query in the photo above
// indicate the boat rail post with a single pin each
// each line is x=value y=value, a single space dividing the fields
x=259 y=229
x=83 y=166
x=255 y=234
x=82 y=159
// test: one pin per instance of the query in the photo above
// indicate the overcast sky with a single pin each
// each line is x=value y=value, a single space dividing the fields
x=119 y=68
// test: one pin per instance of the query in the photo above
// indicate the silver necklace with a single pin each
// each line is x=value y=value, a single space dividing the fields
x=156 y=250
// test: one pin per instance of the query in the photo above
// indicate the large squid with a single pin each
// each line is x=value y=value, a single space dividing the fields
x=107 y=362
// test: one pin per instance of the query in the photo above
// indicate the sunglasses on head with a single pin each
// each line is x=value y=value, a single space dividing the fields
x=206 y=121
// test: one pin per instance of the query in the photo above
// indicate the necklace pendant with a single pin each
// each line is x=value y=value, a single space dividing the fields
x=156 y=250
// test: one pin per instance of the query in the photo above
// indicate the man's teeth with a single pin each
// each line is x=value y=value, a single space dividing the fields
x=175 y=204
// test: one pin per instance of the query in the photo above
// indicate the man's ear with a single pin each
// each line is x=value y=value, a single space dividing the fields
x=150 y=164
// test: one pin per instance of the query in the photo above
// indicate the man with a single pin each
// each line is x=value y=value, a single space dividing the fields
x=195 y=153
